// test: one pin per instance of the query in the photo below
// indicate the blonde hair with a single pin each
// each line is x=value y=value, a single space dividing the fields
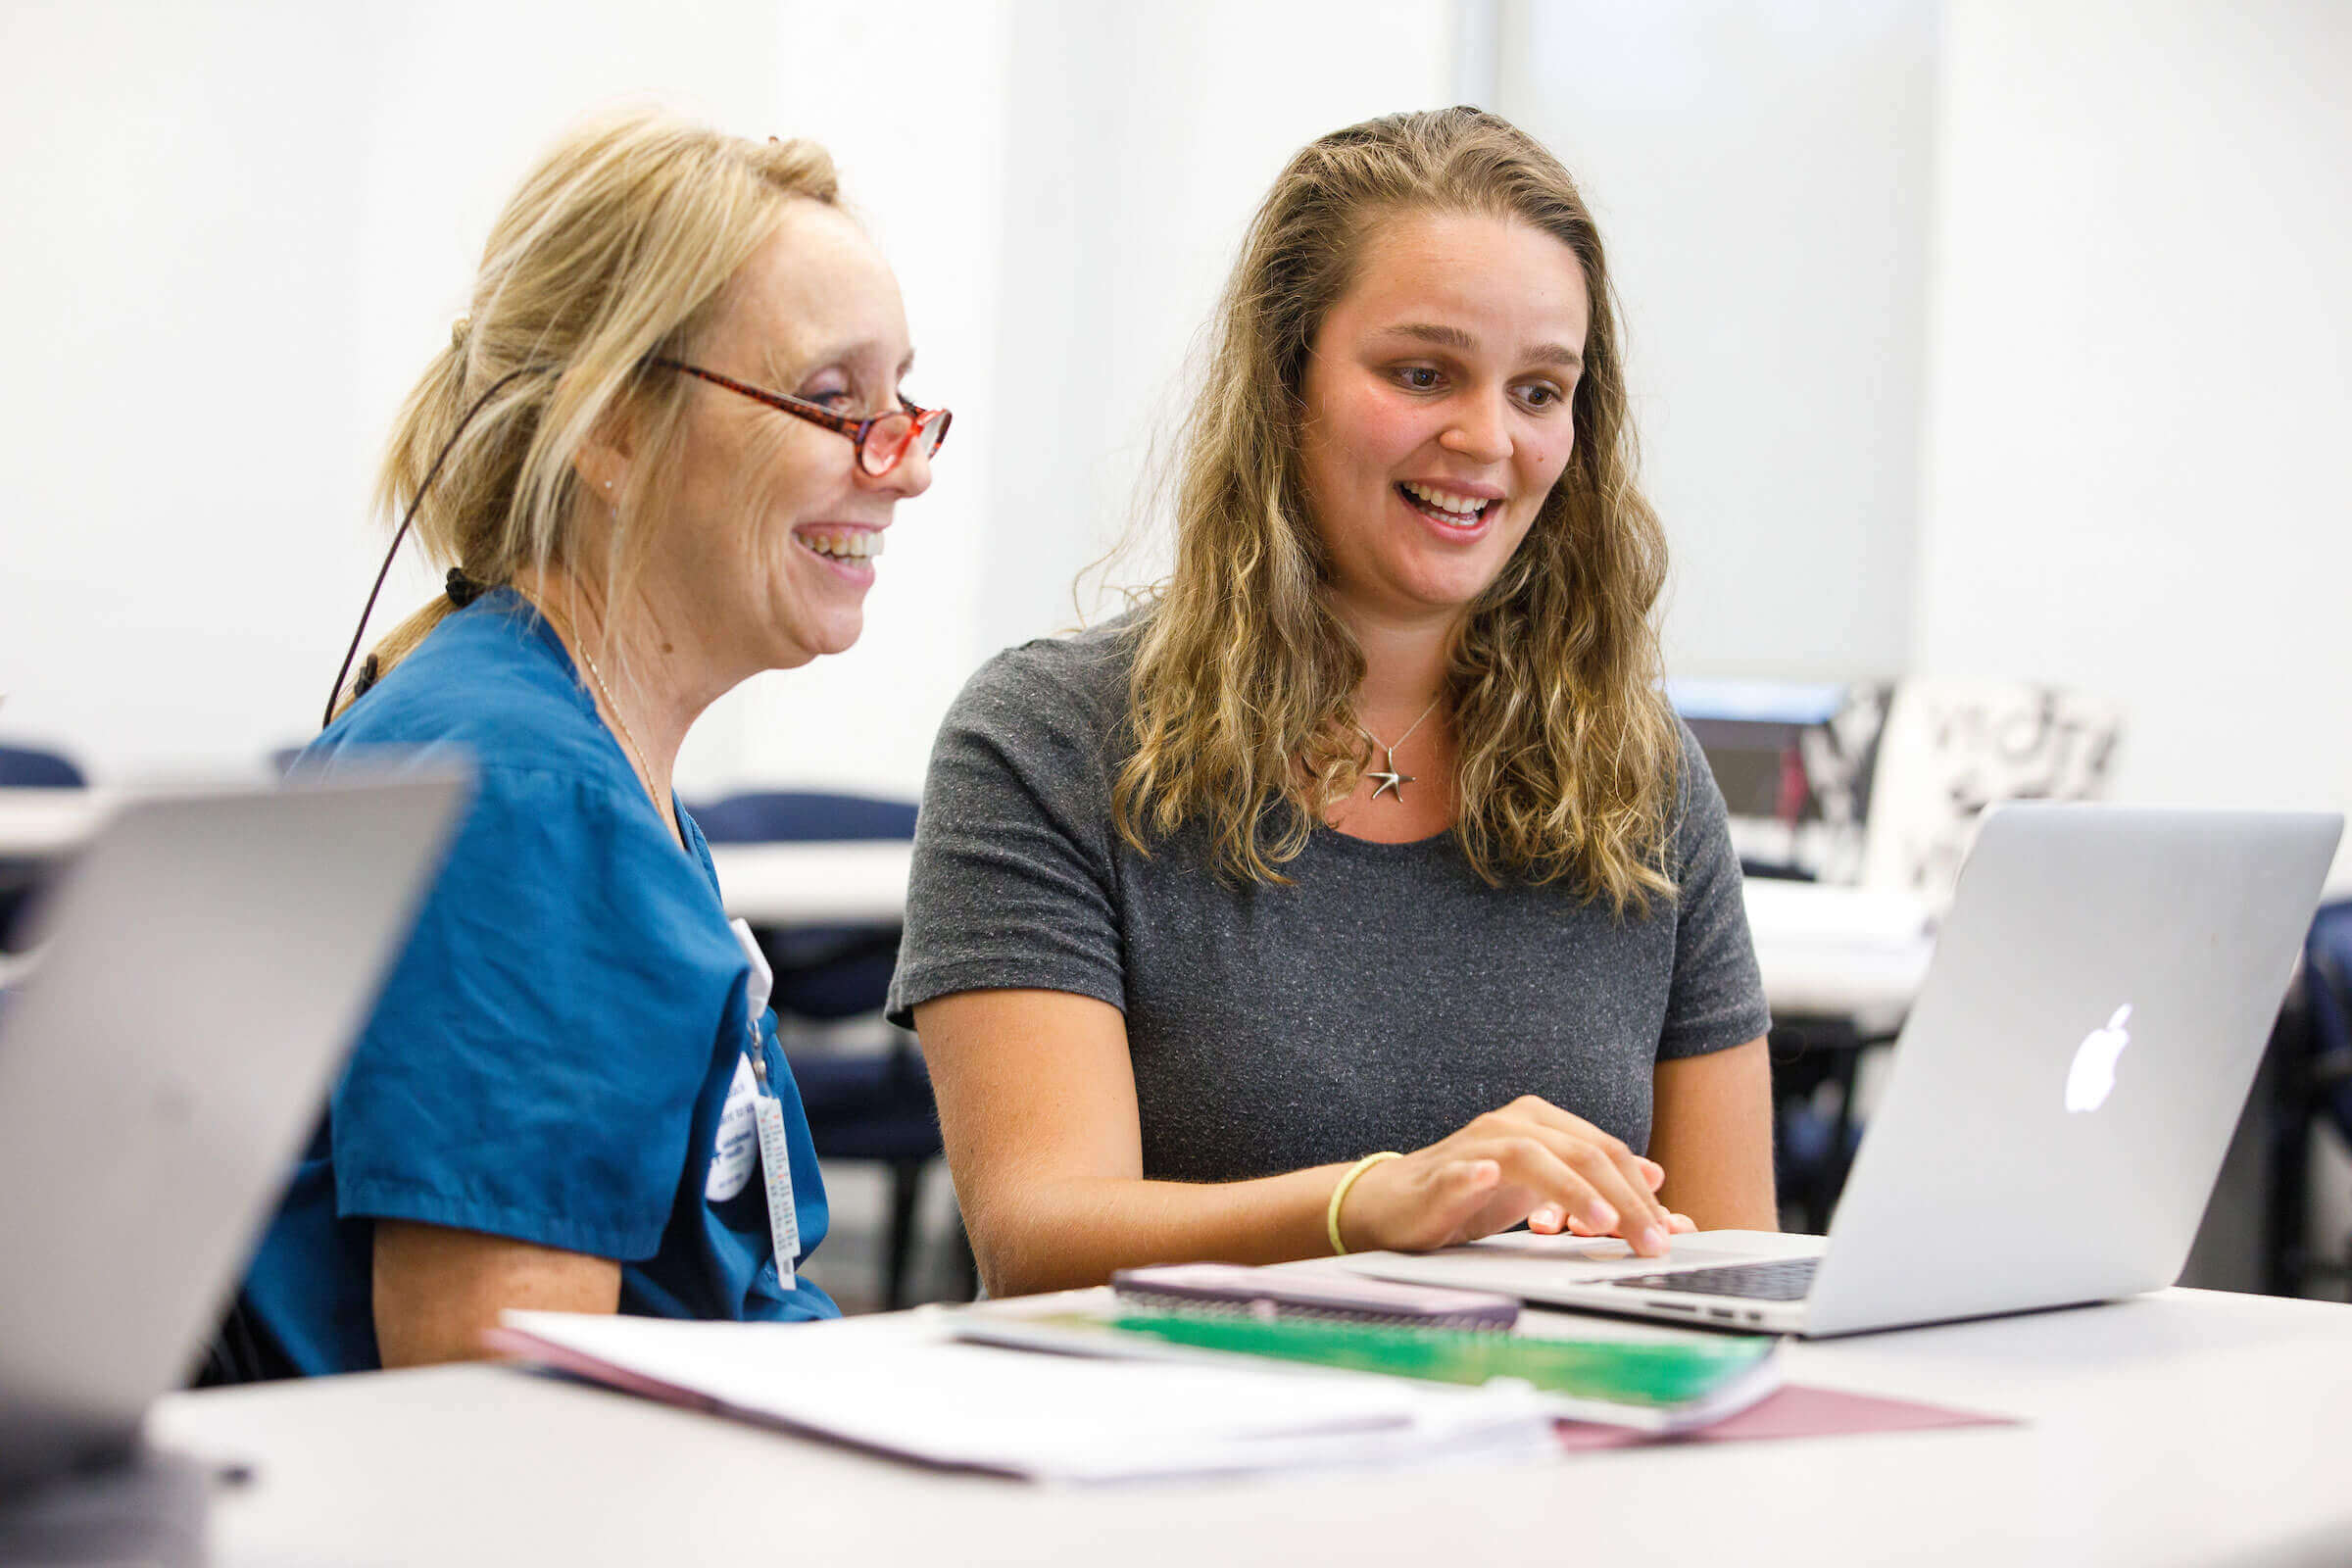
x=616 y=248
x=1242 y=700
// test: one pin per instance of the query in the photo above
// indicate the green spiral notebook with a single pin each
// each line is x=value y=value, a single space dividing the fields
x=1656 y=1385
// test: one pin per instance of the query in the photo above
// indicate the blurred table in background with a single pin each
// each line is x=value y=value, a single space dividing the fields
x=37 y=825
x=1847 y=951
x=1823 y=949
x=814 y=883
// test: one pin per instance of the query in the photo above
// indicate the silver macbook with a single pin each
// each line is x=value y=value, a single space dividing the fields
x=2058 y=1106
x=203 y=967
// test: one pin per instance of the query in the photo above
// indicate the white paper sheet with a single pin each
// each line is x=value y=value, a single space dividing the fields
x=899 y=1384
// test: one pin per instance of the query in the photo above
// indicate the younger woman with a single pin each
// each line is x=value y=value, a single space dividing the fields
x=1361 y=890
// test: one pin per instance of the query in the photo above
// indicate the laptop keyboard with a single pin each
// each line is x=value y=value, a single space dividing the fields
x=1787 y=1281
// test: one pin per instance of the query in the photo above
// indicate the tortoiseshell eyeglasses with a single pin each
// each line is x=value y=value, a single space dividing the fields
x=883 y=442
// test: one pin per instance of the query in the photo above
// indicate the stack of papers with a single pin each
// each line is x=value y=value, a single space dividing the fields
x=902 y=1386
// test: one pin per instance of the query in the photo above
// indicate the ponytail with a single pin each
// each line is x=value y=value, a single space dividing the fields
x=412 y=631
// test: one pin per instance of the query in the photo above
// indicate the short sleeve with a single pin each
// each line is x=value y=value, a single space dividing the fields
x=1014 y=876
x=533 y=1065
x=1716 y=998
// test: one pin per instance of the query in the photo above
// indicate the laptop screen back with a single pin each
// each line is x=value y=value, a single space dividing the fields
x=205 y=965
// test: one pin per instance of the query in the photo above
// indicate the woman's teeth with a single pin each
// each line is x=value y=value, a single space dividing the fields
x=1448 y=506
x=860 y=545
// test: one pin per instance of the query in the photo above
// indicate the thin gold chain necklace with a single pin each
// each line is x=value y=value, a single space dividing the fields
x=636 y=751
x=628 y=737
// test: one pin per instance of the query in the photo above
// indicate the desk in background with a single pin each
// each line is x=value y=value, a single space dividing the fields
x=39 y=824
x=861 y=883
x=1823 y=950
x=2182 y=1428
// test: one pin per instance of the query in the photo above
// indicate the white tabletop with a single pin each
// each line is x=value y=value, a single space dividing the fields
x=816 y=884
x=1822 y=949
x=1839 y=950
x=37 y=823
x=2187 y=1427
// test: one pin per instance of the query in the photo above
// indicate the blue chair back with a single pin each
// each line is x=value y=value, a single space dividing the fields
x=795 y=816
x=26 y=768
x=2328 y=960
x=830 y=972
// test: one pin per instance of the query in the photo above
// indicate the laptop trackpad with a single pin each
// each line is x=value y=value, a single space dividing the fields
x=1605 y=1249
x=1529 y=1266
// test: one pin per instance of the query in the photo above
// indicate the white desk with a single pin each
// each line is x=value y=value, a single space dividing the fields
x=814 y=884
x=1822 y=949
x=2181 y=1428
x=35 y=825
x=782 y=884
x=1839 y=950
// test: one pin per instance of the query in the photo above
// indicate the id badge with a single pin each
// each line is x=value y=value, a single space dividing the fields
x=775 y=1168
x=767 y=1114
x=738 y=1148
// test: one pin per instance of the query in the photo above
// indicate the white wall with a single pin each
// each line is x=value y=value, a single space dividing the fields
x=2142 y=380
x=2086 y=257
x=1141 y=139
x=238 y=230
x=1130 y=144
x=1762 y=176
x=911 y=100
x=237 y=233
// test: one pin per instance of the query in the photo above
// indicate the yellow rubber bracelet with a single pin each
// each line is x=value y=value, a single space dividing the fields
x=1338 y=1196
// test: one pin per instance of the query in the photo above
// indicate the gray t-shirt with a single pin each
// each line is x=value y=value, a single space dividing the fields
x=1381 y=1000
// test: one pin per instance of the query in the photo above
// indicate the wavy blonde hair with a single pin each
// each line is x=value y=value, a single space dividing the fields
x=616 y=247
x=1241 y=697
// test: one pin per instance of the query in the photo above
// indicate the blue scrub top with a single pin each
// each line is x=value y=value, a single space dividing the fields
x=551 y=1056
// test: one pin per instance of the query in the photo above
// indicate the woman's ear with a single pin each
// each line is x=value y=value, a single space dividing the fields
x=603 y=457
x=602 y=466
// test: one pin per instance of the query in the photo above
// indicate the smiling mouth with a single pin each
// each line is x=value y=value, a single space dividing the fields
x=849 y=544
x=1445 y=508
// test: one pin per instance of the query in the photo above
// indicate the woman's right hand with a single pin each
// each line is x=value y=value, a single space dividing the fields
x=1528 y=1161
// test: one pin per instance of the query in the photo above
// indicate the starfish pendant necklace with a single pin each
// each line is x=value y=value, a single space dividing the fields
x=1390 y=781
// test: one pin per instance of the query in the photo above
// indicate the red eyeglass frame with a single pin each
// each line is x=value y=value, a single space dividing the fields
x=919 y=418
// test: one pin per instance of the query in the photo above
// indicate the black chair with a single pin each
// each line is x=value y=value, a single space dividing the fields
x=28 y=769
x=874 y=1106
x=2308 y=1073
x=1813 y=1145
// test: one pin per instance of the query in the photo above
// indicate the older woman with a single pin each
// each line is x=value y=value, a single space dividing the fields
x=656 y=458
x=1360 y=890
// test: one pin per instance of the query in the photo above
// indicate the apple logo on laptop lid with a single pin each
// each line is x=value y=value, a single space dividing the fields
x=2092 y=1079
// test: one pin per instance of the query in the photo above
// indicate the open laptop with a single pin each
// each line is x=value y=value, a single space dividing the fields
x=2058 y=1106
x=205 y=965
